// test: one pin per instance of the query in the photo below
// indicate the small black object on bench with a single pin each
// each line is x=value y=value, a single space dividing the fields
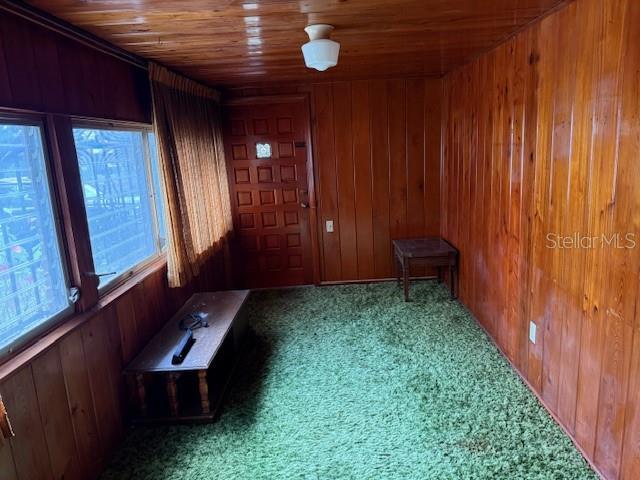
x=195 y=320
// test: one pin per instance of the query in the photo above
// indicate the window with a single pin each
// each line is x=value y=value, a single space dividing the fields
x=119 y=176
x=33 y=285
x=263 y=150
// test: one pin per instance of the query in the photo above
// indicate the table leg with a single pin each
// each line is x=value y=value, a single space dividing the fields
x=405 y=272
x=142 y=401
x=172 y=393
x=452 y=281
x=398 y=268
x=204 y=391
x=439 y=274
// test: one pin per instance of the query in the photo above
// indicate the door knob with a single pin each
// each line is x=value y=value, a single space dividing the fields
x=304 y=205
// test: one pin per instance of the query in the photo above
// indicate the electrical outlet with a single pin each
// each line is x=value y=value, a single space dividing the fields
x=330 y=226
x=532 y=332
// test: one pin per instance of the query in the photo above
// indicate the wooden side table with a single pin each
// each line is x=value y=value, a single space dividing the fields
x=427 y=251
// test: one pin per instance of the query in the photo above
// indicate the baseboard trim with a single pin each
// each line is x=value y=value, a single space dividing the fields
x=373 y=280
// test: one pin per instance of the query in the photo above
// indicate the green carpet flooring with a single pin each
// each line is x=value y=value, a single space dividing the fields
x=350 y=382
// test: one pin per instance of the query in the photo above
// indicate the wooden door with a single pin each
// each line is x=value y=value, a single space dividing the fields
x=269 y=170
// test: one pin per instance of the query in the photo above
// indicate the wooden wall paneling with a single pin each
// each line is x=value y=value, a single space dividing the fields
x=630 y=464
x=529 y=118
x=53 y=405
x=416 y=138
x=29 y=446
x=397 y=132
x=573 y=264
x=48 y=72
x=115 y=365
x=474 y=264
x=378 y=93
x=143 y=312
x=539 y=280
x=360 y=108
x=74 y=63
x=464 y=170
x=620 y=311
x=560 y=183
x=327 y=185
x=557 y=148
x=154 y=287
x=49 y=77
x=607 y=57
x=515 y=105
x=6 y=97
x=629 y=148
x=83 y=415
x=20 y=61
x=343 y=138
x=95 y=339
x=493 y=197
x=130 y=340
x=432 y=147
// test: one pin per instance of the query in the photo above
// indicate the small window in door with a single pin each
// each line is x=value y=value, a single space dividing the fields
x=263 y=150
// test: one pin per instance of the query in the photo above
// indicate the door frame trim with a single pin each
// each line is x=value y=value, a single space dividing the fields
x=303 y=97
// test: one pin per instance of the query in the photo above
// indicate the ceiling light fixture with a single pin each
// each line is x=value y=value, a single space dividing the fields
x=320 y=52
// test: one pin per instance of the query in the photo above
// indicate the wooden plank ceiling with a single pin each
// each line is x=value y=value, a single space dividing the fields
x=244 y=42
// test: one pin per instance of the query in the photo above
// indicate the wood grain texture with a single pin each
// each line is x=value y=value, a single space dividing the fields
x=234 y=43
x=65 y=397
x=376 y=157
x=44 y=71
x=541 y=136
x=377 y=154
x=67 y=406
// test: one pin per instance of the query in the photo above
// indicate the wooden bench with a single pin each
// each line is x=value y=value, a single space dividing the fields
x=226 y=321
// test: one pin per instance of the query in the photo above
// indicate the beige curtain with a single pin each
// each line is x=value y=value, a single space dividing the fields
x=188 y=131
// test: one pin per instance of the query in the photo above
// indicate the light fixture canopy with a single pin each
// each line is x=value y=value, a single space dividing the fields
x=320 y=52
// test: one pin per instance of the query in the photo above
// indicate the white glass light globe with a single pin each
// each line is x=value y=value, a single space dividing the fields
x=321 y=54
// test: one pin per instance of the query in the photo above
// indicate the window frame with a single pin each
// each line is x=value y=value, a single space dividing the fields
x=160 y=253
x=39 y=121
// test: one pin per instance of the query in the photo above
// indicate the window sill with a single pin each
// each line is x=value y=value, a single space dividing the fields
x=41 y=344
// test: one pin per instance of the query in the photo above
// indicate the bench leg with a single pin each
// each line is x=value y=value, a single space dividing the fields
x=172 y=393
x=398 y=266
x=439 y=274
x=142 y=400
x=204 y=391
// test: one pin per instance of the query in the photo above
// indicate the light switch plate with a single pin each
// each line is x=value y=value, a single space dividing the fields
x=330 y=226
x=532 y=332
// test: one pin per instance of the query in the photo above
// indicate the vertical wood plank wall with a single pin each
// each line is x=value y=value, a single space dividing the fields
x=377 y=163
x=67 y=404
x=44 y=71
x=542 y=136
x=376 y=152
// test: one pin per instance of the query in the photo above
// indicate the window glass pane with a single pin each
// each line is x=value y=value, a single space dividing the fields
x=32 y=280
x=117 y=199
x=157 y=188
